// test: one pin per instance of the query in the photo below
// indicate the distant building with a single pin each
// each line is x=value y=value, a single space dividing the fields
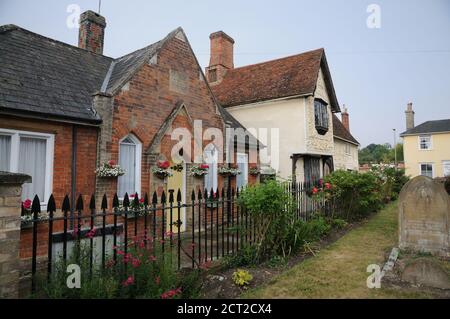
x=426 y=147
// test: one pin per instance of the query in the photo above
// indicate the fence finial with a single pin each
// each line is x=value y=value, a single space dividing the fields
x=155 y=198
x=179 y=196
x=171 y=199
x=163 y=198
x=104 y=202
x=92 y=202
x=136 y=200
x=51 y=205
x=146 y=199
x=116 y=201
x=193 y=195
x=66 y=204
x=36 y=206
x=80 y=204
x=206 y=194
x=200 y=197
x=126 y=200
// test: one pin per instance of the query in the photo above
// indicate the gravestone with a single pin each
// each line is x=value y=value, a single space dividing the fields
x=424 y=217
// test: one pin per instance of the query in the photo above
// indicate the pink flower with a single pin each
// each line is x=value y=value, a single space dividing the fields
x=171 y=293
x=128 y=282
x=163 y=165
x=141 y=201
x=27 y=204
x=152 y=258
x=327 y=185
x=135 y=263
x=111 y=163
x=315 y=190
x=91 y=233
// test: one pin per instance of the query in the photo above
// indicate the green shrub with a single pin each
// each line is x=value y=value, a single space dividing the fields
x=357 y=194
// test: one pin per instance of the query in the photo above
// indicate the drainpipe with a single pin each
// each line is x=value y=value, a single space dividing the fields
x=74 y=174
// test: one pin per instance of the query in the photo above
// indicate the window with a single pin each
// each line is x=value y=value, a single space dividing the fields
x=321 y=116
x=446 y=168
x=242 y=162
x=29 y=153
x=425 y=142
x=426 y=170
x=212 y=75
x=211 y=156
x=347 y=149
x=130 y=161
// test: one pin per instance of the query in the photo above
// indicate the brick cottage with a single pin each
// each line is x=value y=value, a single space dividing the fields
x=65 y=111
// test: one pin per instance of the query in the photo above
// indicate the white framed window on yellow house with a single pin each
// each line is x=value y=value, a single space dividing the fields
x=130 y=149
x=446 y=168
x=29 y=153
x=425 y=143
x=242 y=162
x=427 y=169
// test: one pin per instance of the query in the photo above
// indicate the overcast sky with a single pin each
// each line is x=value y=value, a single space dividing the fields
x=376 y=71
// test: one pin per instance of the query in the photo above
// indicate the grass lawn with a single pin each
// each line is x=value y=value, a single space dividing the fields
x=339 y=271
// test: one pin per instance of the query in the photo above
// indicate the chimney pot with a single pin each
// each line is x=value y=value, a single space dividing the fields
x=92 y=32
x=409 y=116
x=345 y=118
x=221 y=59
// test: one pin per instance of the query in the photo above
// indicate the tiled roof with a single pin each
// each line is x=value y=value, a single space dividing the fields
x=290 y=76
x=43 y=76
x=341 y=132
x=438 y=126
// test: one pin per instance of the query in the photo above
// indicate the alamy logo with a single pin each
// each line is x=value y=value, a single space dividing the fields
x=72 y=20
x=74 y=279
x=374 y=19
x=374 y=280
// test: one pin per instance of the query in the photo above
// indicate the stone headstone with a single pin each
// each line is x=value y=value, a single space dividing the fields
x=424 y=271
x=424 y=217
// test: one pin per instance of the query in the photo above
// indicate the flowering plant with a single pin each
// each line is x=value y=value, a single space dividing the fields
x=162 y=169
x=199 y=170
x=26 y=217
x=109 y=169
x=229 y=171
x=255 y=170
x=178 y=167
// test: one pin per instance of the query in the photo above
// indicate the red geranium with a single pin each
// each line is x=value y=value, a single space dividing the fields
x=315 y=190
x=164 y=165
x=27 y=204
x=111 y=163
x=204 y=166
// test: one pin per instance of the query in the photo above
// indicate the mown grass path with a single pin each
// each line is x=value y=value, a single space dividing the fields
x=339 y=270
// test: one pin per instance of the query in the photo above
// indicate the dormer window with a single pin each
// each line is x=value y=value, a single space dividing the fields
x=321 y=116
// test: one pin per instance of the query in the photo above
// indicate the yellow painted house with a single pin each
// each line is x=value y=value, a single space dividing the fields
x=426 y=147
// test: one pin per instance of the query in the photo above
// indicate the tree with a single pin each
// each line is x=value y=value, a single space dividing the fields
x=380 y=153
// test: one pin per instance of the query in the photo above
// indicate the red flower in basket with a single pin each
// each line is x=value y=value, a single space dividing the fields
x=111 y=163
x=27 y=204
x=204 y=166
x=164 y=165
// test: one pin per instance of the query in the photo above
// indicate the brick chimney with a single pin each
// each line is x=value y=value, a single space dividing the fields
x=345 y=118
x=409 y=116
x=221 y=60
x=92 y=32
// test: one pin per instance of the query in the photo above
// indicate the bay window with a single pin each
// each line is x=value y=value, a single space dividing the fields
x=321 y=116
x=29 y=153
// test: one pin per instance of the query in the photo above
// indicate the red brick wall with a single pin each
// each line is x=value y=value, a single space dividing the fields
x=62 y=162
x=148 y=100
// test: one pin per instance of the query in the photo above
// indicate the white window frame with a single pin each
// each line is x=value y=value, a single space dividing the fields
x=138 y=151
x=348 y=150
x=445 y=162
x=432 y=169
x=49 y=149
x=245 y=172
x=215 y=168
x=420 y=144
